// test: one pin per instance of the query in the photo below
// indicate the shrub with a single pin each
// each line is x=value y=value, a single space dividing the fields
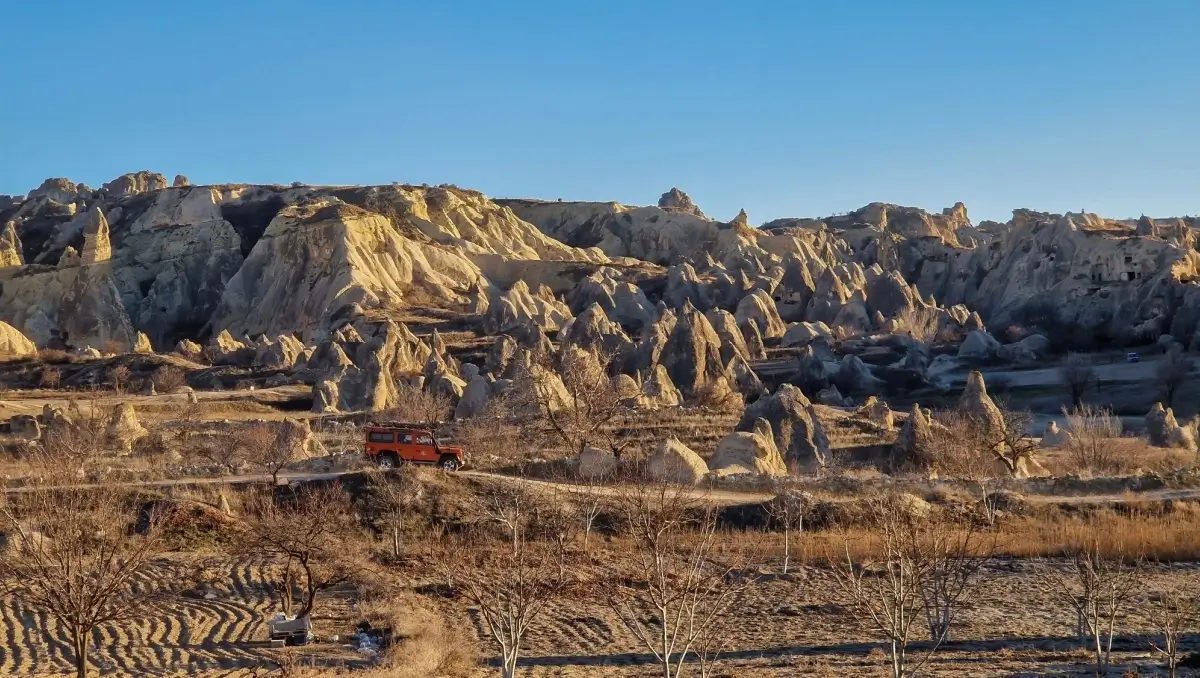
x=168 y=379
x=55 y=356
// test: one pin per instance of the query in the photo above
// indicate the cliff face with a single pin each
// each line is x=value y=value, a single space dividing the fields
x=93 y=266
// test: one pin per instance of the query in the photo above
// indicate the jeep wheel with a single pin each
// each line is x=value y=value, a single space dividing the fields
x=449 y=463
x=388 y=461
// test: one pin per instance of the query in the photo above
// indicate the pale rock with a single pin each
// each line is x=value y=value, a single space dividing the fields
x=753 y=450
x=282 y=353
x=474 y=398
x=658 y=389
x=831 y=397
x=1163 y=430
x=189 y=349
x=677 y=201
x=674 y=462
x=595 y=463
x=804 y=333
x=976 y=402
x=1054 y=436
x=14 y=345
x=97 y=246
x=978 y=345
x=142 y=345
x=124 y=429
x=692 y=354
x=733 y=344
x=758 y=307
x=878 y=412
x=754 y=341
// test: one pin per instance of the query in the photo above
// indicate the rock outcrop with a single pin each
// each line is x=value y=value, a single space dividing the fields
x=754 y=451
x=674 y=462
x=1163 y=430
x=124 y=428
x=798 y=433
x=14 y=345
x=676 y=200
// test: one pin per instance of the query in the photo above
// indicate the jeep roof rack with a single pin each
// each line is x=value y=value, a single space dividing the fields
x=403 y=424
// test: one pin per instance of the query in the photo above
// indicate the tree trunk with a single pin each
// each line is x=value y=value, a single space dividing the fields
x=81 y=660
x=787 y=548
x=396 y=541
x=310 y=592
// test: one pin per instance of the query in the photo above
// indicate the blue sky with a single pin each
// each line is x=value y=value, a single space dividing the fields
x=784 y=108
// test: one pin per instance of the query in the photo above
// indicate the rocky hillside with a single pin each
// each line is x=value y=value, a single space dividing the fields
x=141 y=255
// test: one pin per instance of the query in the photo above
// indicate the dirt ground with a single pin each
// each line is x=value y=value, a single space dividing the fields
x=792 y=626
x=216 y=629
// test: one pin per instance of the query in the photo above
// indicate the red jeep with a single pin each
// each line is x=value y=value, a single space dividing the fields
x=391 y=446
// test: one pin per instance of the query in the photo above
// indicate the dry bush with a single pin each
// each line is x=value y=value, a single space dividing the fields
x=496 y=434
x=118 y=377
x=54 y=356
x=424 y=642
x=168 y=379
x=393 y=498
x=920 y=323
x=1173 y=615
x=50 y=377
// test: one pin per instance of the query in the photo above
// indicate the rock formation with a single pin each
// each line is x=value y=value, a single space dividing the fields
x=754 y=451
x=124 y=429
x=14 y=345
x=674 y=462
x=798 y=433
x=677 y=201
x=1163 y=430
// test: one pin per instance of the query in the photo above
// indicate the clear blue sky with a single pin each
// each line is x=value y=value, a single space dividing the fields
x=784 y=108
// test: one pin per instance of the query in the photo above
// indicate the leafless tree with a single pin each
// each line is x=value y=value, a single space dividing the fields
x=118 y=376
x=510 y=588
x=275 y=446
x=1097 y=587
x=1007 y=438
x=924 y=570
x=310 y=533
x=556 y=521
x=230 y=451
x=75 y=554
x=421 y=406
x=964 y=452
x=787 y=511
x=680 y=581
x=1173 y=614
x=511 y=507
x=393 y=497
x=1171 y=373
x=1077 y=374
x=580 y=414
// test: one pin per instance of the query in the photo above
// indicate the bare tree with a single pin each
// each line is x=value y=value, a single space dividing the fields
x=925 y=568
x=231 y=450
x=393 y=498
x=416 y=405
x=310 y=532
x=275 y=446
x=511 y=588
x=1006 y=438
x=1097 y=587
x=509 y=506
x=1077 y=374
x=556 y=521
x=787 y=511
x=74 y=554
x=680 y=581
x=1172 y=614
x=580 y=413
x=118 y=376
x=964 y=451
x=1171 y=373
